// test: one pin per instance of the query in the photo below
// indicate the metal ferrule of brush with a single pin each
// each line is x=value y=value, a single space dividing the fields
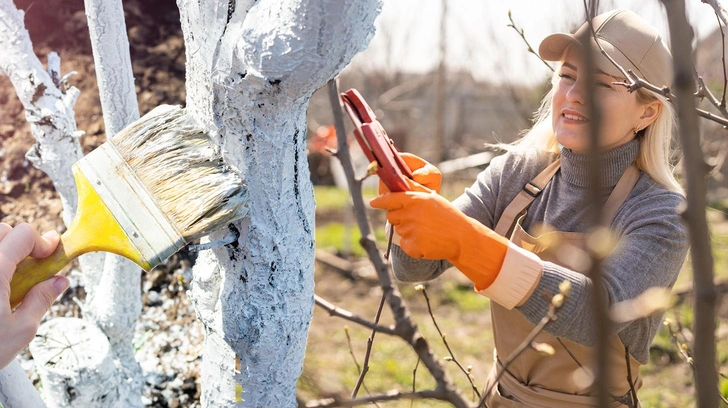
x=133 y=207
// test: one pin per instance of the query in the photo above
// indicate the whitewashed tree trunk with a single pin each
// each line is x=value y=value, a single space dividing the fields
x=50 y=113
x=16 y=391
x=76 y=364
x=115 y=302
x=251 y=69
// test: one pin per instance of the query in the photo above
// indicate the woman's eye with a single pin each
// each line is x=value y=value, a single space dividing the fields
x=566 y=76
x=604 y=84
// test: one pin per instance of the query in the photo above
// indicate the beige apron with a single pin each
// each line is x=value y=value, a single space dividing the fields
x=534 y=380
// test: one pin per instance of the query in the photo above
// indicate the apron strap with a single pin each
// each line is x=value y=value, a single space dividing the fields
x=525 y=197
x=620 y=193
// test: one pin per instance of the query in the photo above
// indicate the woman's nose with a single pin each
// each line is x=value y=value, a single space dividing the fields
x=577 y=92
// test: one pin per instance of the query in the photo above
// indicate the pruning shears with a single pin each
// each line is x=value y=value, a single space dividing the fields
x=377 y=146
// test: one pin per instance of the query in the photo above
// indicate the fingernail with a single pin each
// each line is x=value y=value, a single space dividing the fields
x=50 y=234
x=60 y=284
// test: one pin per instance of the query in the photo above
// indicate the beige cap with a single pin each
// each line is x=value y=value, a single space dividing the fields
x=631 y=41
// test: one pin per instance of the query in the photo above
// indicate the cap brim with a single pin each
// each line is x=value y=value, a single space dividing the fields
x=554 y=46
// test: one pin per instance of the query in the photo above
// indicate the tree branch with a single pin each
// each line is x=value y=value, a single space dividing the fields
x=405 y=328
x=390 y=396
x=706 y=379
x=345 y=314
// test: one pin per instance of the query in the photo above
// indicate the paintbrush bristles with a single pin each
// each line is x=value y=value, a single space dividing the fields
x=176 y=161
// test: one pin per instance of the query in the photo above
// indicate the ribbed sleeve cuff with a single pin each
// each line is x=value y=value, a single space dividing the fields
x=520 y=273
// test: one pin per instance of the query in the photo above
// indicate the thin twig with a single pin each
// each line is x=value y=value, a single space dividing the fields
x=389 y=396
x=722 y=48
x=447 y=346
x=521 y=348
x=414 y=380
x=556 y=302
x=345 y=314
x=370 y=343
x=353 y=357
x=635 y=401
x=523 y=36
x=404 y=327
x=703 y=91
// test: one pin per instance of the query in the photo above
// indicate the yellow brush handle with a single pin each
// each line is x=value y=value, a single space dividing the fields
x=93 y=229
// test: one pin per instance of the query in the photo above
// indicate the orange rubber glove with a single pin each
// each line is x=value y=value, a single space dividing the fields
x=423 y=173
x=431 y=227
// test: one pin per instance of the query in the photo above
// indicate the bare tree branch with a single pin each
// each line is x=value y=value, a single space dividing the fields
x=444 y=340
x=706 y=379
x=345 y=314
x=404 y=327
x=370 y=342
x=523 y=37
x=390 y=396
x=720 y=11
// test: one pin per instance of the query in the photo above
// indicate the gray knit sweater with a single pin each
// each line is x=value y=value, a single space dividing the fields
x=652 y=244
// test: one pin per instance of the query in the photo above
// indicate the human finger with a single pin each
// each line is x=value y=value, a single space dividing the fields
x=389 y=201
x=4 y=229
x=24 y=240
x=417 y=187
x=40 y=298
x=412 y=161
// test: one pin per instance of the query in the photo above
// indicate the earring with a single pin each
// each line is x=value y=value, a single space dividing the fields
x=636 y=130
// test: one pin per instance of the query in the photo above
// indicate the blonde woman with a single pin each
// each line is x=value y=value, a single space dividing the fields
x=490 y=232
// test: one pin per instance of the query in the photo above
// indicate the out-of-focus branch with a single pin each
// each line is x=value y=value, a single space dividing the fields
x=404 y=327
x=345 y=314
x=720 y=11
x=706 y=379
x=556 y=302
x=390 y=396
x=722 y=49
x=603 y=322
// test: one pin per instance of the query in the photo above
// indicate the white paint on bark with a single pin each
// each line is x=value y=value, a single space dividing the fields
x=75 y=364
x=112 y=62
x=16 y=391
x=115 y=303
x=251 y=69
x=49 y=110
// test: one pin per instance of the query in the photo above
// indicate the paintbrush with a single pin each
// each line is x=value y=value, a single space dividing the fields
x=144 y=194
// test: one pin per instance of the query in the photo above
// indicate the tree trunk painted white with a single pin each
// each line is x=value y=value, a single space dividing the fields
x=76 y=365
x=16 y=391
x=115 y=304
x=251 y=69
x=50 y=113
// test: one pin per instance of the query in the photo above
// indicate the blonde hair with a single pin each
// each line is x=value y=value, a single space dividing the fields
x=655 y=150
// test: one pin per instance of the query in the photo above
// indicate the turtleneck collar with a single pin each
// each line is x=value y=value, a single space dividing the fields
x=575 y=167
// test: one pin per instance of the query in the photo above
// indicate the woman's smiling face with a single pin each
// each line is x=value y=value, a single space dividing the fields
x=621 y=111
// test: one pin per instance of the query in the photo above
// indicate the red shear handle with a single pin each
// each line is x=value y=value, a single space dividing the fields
x=375 y=143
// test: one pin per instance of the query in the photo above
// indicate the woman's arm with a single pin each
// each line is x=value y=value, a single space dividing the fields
x=478 y=202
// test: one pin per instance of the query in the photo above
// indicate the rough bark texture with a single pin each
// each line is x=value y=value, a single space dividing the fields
x=115 y=303
x=114 y=297
x=251 y=69
x=49 y=112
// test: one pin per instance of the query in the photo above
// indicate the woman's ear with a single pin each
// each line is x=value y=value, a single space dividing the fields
x=650 y=112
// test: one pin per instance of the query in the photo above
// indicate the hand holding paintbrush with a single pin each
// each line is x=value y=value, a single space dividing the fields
x=144 y=194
